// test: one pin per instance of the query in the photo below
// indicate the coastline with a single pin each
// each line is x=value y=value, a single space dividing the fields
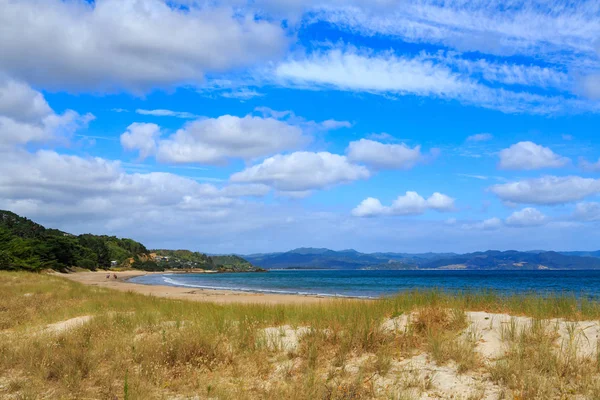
x=98 y=279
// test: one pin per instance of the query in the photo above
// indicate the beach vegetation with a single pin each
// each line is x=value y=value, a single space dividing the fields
x=61 y=339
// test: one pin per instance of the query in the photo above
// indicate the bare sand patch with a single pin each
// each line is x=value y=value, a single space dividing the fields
x=68 y=324
x=432 y=381
x=491 y=328
x=284 y=338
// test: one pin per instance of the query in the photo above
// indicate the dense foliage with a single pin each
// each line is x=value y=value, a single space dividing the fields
x=27 y=245
x=185 y=259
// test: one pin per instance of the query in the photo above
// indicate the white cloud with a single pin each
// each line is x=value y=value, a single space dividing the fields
x=302 y=171
x=141 y=137
x=526 y=217
x=71 y=189
x=409 y=204
x=529 y=156
x=250 y=190
x=167 y=113
x=350 y=69
x=370 y=207
x=215 y=140
x=587 y=211
x=26 y=117
x=130 y=44
x=384 y=156
x=21 y=103
x=480 y=137
x=440 y=202
x=487 y=27
x=424 y=75
x=512 y=74
x=547 y=190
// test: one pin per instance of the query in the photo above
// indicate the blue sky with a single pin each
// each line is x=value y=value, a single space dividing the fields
x=255 y=126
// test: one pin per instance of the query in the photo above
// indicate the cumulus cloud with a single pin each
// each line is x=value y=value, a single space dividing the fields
x=302 y=171
x=480 y=137
x=547 y=190
x=46 y=182
x=130 y=44
x=529 y=156
x=409 y=204
x=26 y=117
x=526 y=217
x=141 y=137
x=21 y=103
x=213 y=141
x=384 y=156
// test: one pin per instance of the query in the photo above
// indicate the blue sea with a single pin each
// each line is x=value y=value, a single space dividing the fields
x=373 y=284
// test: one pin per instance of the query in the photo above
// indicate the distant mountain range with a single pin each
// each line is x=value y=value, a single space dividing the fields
x=320 y=258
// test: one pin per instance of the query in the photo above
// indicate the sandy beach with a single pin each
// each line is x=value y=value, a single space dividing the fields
x=98 y=278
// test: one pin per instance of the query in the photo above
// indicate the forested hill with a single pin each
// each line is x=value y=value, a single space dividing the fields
x=185 y=259
x=26 y=245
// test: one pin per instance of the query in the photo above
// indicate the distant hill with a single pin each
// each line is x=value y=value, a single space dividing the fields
x=595 y=254
x=307 y=258
x=185 y=259
x=514 y=260
x=27 y=245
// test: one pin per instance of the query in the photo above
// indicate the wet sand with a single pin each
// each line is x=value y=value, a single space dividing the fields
x=98 y=278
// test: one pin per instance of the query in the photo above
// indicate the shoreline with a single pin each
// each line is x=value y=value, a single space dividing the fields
x=98 y=279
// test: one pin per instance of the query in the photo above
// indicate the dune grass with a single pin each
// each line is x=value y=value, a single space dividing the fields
x=139 y=347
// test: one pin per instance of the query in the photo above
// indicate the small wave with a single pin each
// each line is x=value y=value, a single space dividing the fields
x=175 y=282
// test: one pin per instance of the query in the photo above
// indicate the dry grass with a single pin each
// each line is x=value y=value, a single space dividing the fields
x=536 y=368
x=139 y=347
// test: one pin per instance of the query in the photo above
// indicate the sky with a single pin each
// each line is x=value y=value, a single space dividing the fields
x=257 y=126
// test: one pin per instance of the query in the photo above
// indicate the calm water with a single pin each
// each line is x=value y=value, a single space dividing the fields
x=381 y=283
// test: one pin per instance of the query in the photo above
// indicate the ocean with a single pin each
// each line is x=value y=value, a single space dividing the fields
x=373 y=284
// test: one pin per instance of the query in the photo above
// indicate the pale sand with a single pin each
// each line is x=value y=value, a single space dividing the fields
x=445 y=382
x=98 y=278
